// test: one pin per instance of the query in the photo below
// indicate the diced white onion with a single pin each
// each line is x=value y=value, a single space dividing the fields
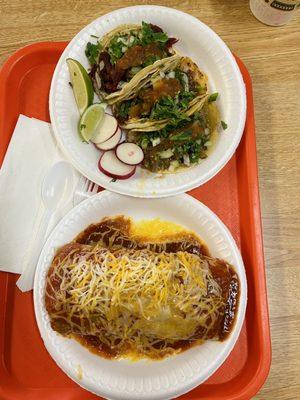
x=208 y=143
x=186 y=82
x=98 y=80
x=121 y=84
x=162 y=74
x=101 y=65
x=173 y=165
x=206 y=131
x=155 y=142
x=186 y=160
x=171 y=74
x=185 y=78
x=123 y=40
x=166 y=153
x=124 y=48
x=135 y=70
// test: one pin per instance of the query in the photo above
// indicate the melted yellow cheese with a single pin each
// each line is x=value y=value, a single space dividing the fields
x=154 y=229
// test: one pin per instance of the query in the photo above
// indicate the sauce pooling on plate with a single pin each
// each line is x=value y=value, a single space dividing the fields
x=149 y=289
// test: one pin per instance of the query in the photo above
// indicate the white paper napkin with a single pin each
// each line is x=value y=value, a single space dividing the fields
x=31 y=152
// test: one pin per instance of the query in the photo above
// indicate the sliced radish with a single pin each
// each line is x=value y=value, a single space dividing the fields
x=111 y=166
x=111 y=143
x=106 y=129
x=129 y=153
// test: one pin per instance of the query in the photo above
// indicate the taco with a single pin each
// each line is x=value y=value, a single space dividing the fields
x=126 y=52
x=176 y=146
x=171 y=94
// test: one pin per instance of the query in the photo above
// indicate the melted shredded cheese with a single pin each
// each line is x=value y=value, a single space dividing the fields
x=135 y=299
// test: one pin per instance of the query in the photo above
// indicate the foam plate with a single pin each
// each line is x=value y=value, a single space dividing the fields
x=142 y=380
x=196 y=40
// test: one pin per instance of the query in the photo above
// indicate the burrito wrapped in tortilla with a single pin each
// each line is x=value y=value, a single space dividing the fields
x=169 y=95
x=123 y=56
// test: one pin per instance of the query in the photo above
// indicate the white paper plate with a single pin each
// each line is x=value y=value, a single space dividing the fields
x=195 y=40
x=124 y=380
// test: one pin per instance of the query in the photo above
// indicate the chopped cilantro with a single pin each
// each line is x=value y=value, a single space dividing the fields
x=181 y=136
x=182 y=78
x=185 y=98
x=146 y=138
x=213 y=97
x=224 y=125
x=150 y=60
x=115 y=49
x=82 y=126
x=168 y=107
x=193 y=149
x=178 y=74
x=144 y=141
x=172 y=108
x=149 y=36
x=92 y=51
x=124 y=109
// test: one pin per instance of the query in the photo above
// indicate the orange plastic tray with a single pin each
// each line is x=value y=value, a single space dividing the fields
x=27 y=371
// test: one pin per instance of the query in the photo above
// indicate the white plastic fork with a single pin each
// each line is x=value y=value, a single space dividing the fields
x=84 y=189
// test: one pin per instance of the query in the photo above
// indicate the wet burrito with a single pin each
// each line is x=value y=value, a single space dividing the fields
x=124 y=296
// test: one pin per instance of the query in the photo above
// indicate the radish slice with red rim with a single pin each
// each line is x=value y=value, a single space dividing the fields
x=111 y=143
x=106 y=129
x=129 y=153
x=111 y=166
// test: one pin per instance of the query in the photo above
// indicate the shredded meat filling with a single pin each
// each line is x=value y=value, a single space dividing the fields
x=111 y=75
x=147 y=97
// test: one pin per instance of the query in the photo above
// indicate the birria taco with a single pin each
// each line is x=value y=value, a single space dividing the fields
x=127 y=52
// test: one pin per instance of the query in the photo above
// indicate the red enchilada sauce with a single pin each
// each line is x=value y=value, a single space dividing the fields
x=115 y=234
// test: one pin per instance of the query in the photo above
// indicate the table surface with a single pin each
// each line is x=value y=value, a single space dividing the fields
x=272 y=55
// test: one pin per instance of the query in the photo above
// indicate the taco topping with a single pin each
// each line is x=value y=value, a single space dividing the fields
x=147 y=97
x=114 y=63
x=166 y=97
x=137 y=55
x=179 y=145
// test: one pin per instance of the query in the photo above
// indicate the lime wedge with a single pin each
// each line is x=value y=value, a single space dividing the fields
x=82 y=85
x=90 y=121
